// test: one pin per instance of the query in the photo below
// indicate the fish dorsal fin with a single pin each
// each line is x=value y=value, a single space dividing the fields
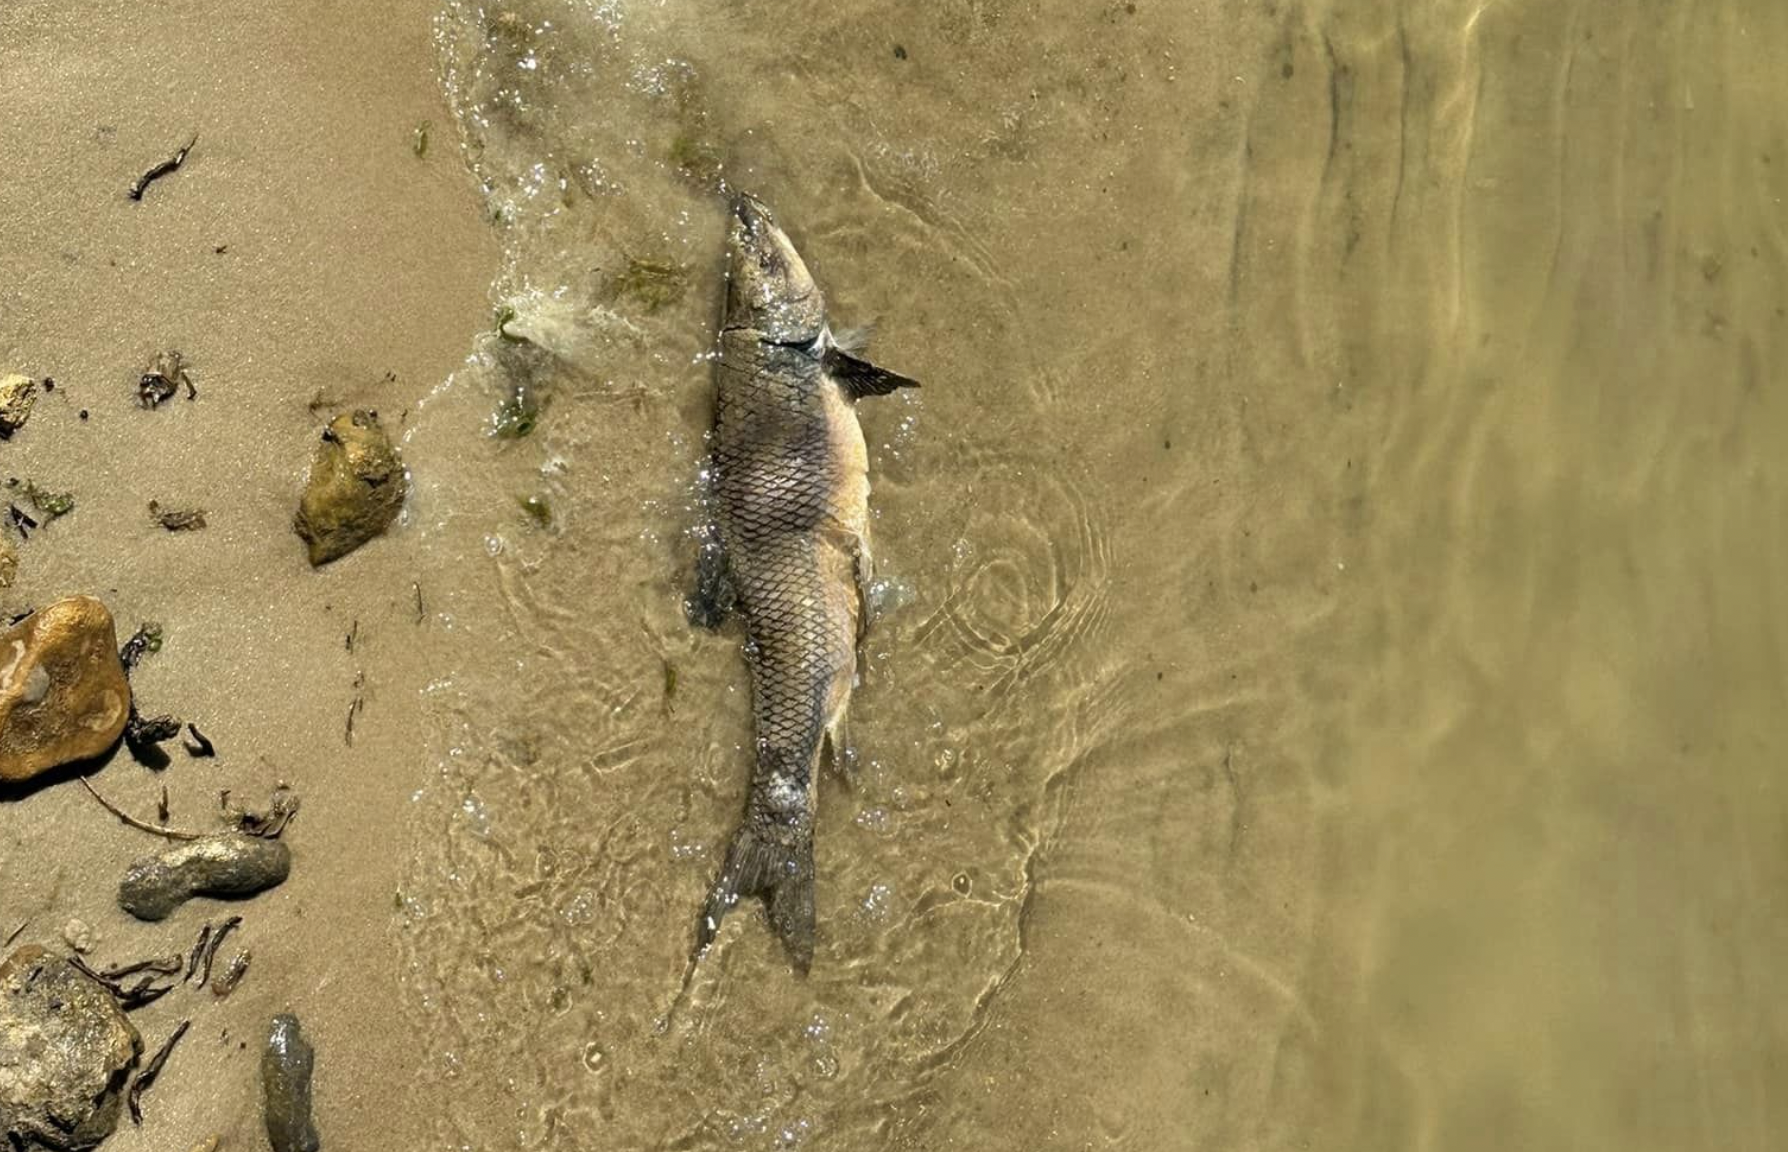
x=860 y=378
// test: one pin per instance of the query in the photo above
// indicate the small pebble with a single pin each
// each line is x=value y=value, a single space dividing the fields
x=226 y=981
x=79 y=935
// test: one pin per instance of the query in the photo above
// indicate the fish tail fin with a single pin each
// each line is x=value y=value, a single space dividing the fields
x=778 y=869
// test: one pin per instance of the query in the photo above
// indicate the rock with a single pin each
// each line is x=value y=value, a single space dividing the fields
x=79 y=935
x=17 y=394
x=65 y=1052
x=230 y=864
x=9 y=562
x=356 y=488
x=63 y=695
x=286 y=1066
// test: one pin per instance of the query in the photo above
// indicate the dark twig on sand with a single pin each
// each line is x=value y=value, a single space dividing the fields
x=23 y=924
x=217 y=939
x=150 y=1071
x=166 y=167
x=198 y=952
x=199 y=746
x=141 y=825
x=160 y=965
x=354 y=709
x=144 y=991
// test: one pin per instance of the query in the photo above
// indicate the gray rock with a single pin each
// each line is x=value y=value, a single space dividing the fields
x=65 y=1053
x=286 y=1066
x=230 y=864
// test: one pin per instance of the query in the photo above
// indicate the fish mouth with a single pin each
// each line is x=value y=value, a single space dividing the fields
x=751 y=212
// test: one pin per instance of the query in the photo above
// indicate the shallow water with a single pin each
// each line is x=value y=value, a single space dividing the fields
x=1326 y=688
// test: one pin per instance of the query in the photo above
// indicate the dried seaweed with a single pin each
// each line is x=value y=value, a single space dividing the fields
x=142 y=733
x=217 y=939
x=198 y=952
x=146 y=639
x=21 y=520
x=150 y=1071
x=282 y=807
x=144 y=991
x=177 y=520
x=200 y=745
x=49 y=505
x=160 y=965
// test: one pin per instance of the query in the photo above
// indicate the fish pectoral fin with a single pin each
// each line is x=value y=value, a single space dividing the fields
x=860 y=378
x=853 y=340
x=863 y=571
x=759 y=863
x=711 y=600
x=841 y=753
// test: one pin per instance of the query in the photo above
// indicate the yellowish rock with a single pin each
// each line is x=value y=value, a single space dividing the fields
x=17 y=394
x=356 y=487
x=63 y=695
x=9 y=562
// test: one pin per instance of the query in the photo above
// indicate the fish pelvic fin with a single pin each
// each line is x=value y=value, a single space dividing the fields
x=840 y=751
x=712 y=598
x=860 y=378
x=775 y=865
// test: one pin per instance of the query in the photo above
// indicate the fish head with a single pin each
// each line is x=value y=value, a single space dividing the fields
x=768 y=286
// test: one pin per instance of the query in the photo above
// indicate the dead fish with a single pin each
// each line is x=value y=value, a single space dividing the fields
x=790 y=553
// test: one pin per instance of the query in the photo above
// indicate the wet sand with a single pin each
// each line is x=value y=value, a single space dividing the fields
x=349 y=267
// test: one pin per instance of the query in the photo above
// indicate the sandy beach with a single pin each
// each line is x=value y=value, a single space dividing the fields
x=303 y=252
